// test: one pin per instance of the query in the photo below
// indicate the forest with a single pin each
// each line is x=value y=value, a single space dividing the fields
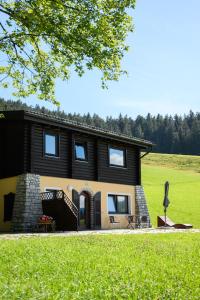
x=171 y=134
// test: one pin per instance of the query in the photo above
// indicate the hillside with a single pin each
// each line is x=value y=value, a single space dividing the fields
x=183 y=173
x=173 y=161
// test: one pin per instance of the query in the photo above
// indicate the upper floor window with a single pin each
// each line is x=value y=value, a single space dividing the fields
x=81 y=151
x=117 y=204
x=51 y=144
x=117 y=157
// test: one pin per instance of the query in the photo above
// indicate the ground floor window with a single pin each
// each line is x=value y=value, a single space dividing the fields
x=117 y=204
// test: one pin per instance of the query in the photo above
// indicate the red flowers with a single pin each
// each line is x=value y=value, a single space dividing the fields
x=45 y=218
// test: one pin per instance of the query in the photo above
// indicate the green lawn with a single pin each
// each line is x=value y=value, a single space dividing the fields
x=161 y=266
x=145 y=266
x=183 y=174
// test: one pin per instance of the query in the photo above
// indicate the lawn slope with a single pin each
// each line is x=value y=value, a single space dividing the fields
x=183 y=173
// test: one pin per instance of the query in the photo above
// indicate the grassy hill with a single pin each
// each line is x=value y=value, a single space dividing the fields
x=183 y=173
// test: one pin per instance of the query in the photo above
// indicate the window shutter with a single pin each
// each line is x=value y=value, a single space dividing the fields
x=8 y=206
x=97 y=210
x=75 y=198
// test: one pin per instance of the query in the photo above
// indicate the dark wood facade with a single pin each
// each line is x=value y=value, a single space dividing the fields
x=22 y=150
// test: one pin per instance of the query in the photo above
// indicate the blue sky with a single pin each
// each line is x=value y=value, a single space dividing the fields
x=163 y=65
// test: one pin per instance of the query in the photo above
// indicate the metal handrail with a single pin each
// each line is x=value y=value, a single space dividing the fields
x=71 y=205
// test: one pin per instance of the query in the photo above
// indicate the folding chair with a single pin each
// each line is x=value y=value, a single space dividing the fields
x=112 y=221
x=131 y=222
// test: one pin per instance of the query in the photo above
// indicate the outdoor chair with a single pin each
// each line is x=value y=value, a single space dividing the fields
x=132 y=222
x=169 y=223
x=143 y=222
x=113 y=222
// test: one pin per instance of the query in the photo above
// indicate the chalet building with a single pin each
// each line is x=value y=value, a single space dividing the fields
x=78 y=174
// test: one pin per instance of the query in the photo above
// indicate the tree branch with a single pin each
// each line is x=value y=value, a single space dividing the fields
x=4 y=29
x=21 y=34
x=7 y=75
x=6 y=10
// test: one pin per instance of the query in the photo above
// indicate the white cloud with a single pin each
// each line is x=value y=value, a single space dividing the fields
x=116 y=159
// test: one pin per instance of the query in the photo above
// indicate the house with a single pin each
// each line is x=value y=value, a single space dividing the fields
x=76 y=173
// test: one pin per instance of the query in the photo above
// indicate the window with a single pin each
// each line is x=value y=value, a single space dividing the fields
x=117 y=204
x=81 y=151
x=117 y=157
x=51 y=144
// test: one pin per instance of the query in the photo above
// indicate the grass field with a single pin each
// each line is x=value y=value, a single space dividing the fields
x=183 y=173
x=147 y=266
x=101 y=267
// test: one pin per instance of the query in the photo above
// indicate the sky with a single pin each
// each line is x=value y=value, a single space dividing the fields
x=163 y=64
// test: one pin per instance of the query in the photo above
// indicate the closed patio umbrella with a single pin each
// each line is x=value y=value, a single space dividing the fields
x=166 y=201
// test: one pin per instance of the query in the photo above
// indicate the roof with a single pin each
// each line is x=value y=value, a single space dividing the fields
x=70 y=124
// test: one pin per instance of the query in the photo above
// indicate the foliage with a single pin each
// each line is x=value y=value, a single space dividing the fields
x=41 y=39
x=183 y=190
x=101 y=267
x=170 y=134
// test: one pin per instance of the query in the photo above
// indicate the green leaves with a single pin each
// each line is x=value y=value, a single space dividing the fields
x=43 y=39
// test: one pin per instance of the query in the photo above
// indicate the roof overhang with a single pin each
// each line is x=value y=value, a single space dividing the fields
x=72 y=125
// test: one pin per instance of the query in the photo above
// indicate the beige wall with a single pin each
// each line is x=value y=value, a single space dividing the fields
x=93 y=187
x=7 y=185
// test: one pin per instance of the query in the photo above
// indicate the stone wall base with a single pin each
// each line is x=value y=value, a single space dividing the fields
x=141 y=206
x=27 y=206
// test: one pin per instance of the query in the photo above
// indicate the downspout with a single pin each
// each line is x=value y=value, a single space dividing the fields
x=148 y=150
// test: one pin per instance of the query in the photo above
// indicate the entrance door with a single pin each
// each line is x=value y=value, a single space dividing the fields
x=84 y=211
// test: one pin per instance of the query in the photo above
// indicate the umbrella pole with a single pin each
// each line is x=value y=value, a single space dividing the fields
x=165 y=216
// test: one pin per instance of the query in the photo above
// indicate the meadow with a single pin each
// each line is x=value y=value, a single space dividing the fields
x=112 y=267
x=159 y=266
x=183 y=174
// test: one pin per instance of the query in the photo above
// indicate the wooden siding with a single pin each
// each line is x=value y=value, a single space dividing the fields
x=27 y=147
x=84 y=169
x=12 y=141
x=23 y=152
x=122 y=175
x=2 y=156
x=49 y=166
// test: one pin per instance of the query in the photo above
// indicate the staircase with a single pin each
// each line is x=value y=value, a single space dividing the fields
x=70 y=204
x=59 y=206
